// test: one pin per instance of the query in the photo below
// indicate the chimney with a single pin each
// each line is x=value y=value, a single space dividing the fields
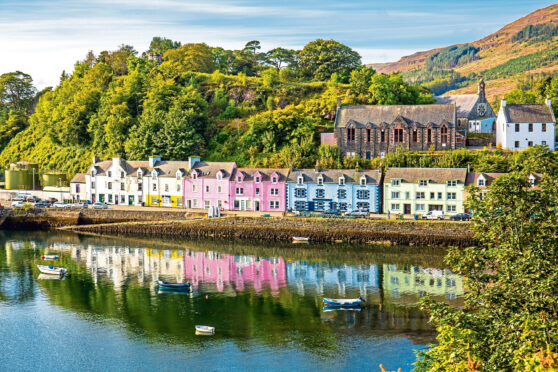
x=503 y=103
x=95 y=160
x=116 y=160
x=192 y=160
x=317 y=168
x=153 y=159
x=548 y=102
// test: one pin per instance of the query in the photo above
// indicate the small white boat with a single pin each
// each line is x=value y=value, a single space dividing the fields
x=343 y=302
x=50 y=277
x=49 y=257
x=205 y=330
x=301 y=239
x=51 y=270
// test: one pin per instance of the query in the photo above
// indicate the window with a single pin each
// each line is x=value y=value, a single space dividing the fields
x=530 y=144
x=238 y=179
x=530 y=127
x=532 y=181
x=342 y=206
x=351 y=135
x=395 y=194
x=274 y=192
x=398 y=135
x=419 y=208
x=444 y=133
x=166 y=188
x=423 y=183
x=432 y=195
x=395 y=182
x=415 y=135
x=110 y=198
x=92 y=185
x=193 y=188
x=236 y=204
x=451 y=208
x=362 y=181
x=273 y=179
x=257 y=179
x=179 y=202
x=300 y=205
x=121 y=174
x=395 y=207
x=517 y=127
x=122 y=199
x=480 y=182
x=368 y=155
x=420 y=195
x=452 y=195
x=109 y=173
x=178 y=187
x=320 y=193
x=219 y=189
x=300 y=193
x=206 y=204
x=195 y=203
x=341 y=194
x=300 y=180
x=543 y=142
x=382 y=136
x=320 y=181
x=368 y=135
x=154 y=187
x=139 y=187
x=274 y=204
x=341 y=181
x=257 y=191
x=407 y=195
x=239 y=191
x=320 y=205
x=219 y=176
x=452 y=183
x=429 y=135
x=219 y=204
x=516 y=144
x=122 y=186
x=363 y=194
x=543 y=127
x=109 y=186
x=206 y=188
x=364 y=206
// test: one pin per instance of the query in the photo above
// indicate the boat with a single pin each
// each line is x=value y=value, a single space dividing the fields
x=301 y=239
x=50 y=257
x=173 y=286
x=205 y=330
x=343 y=302
x=336 y=308
x=52 y=270
x=51 y=277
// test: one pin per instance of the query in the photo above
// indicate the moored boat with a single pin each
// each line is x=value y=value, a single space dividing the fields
x=301 y=239
x=52 y=270
x=205 y=330
x=173 y=286
x=49 y=257
x=336 y=308
x=343 y=302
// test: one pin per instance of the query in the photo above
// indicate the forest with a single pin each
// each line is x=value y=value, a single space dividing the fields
x=173 y=100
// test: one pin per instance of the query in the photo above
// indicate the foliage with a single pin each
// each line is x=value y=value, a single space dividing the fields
x=16 y=91
x=511 y=305
x=541 y=32
x=452 y=56
x=520 y=64
x=320 y=59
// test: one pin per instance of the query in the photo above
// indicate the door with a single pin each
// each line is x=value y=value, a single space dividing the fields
x=407 y=208
x=257 y=205
x=101 y=198
x=243 y=205
x=131 y=200
x=188 y=204
x=311 y=206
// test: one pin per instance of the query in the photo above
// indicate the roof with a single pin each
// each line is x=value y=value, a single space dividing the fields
x=464 y=103
x=435 y=175
x=102 y=166
x=472 y=178
x=78 y=178
x=421 y=115
x=333 y=175
x=530 y=113
x=265 y=172
x=210 y=169
x=166 y=168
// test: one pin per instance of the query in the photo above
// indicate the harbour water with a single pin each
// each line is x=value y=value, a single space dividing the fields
x=265 y=302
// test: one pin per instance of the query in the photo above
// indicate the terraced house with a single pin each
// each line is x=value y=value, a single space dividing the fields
x=257 y=190
x=164 y=181
x=419 y=190
x=339 y=189
x=208 y=185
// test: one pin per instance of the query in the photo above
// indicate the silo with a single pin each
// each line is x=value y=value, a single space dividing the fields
x=54 y=179
x=19 y=176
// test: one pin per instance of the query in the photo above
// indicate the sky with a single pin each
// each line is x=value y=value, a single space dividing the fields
x=42 y=38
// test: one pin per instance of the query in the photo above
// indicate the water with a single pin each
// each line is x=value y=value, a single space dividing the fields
x=264 y=300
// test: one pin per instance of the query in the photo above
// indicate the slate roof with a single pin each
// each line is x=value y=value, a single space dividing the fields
x=167 y=168
x=472 y=178
x=265 y=173
x=102 y=166
x=530 y=113
x=210 y=169
x=352 y=176
x=435 y=175
x=421 y=115
x=78 y=178
x=464 y=103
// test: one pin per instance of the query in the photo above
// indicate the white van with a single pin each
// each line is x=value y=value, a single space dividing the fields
x=433 y=215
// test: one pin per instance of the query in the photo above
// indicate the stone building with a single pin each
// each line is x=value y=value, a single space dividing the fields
x=371 y=131
x=474 y=113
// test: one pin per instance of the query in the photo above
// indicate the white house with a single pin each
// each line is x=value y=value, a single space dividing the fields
x=521 y=126
x=77 y=187
x=164 y=181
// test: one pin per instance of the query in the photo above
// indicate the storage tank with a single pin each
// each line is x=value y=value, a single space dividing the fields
x=20 y=176
x=54 y=179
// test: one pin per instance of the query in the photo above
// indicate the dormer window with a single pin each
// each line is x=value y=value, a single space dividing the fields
x=273 y=179
x=395 y=182
x=257 y=179
x=320 y=181
x=92 y=173
x=532 y=180
x=300 y=180
x=341 y=181
x=452 y=183
x=177 y=176
x=238 y=179
x=481 y=182
x=139 y=174
x=423 y=182
x=109 y=173
x=219 y=176
x=195 y=175
x=363 y=181
x=154 y=174
x=121 y=174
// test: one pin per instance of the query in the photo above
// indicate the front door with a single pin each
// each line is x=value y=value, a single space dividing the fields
x=310 y=206
x=188 y=204
x=407 y=209
x=101 y=198
x=257 y=205
x=243 y=205
x=131 y=200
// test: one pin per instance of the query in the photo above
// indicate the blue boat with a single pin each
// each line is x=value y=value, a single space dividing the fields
x=350 y=302
x=173 y=286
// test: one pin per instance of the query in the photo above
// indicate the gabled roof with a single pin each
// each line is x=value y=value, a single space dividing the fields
x=167 y=168
x=210 y=169
x=78 y=178
x=530 y=113
x=332 y=175
x=472 y=178
x=266 y=173
x=464 y=103
x=102 y=166
x=435 y=175
x=420 y=114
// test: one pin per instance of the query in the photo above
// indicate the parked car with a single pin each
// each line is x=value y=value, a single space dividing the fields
x=19 y=198
x=59 y=205
x=461 y=217
x=80 y=205
x=41 y=204
x=433 y=215
x=357 y=213
x=99 y=206
x=332 y=212
x=17 y=204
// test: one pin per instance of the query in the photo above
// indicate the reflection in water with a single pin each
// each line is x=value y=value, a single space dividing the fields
x=255 y=299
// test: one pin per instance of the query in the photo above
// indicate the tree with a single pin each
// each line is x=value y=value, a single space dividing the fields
x=280 y=57
x=360 y=83
x=511 y=304
x=16 y=91
x=319 y=59
x=190 y=57
x=161 y=45
x=252 y=47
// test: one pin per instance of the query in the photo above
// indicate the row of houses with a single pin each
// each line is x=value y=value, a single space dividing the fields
x=196 y=184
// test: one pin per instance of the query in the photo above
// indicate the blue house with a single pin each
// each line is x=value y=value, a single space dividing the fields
x=340 y=189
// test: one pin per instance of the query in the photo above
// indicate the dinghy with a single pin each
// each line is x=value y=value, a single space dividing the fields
x=51 y=270
x=205 y=330
x=173 y=286
x=301 y=239
x=343 y=302
x=49 y=257
x=337 y=308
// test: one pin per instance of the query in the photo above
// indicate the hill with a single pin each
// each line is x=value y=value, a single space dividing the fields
x=524 y=48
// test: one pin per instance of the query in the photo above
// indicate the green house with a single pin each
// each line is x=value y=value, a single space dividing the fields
x=419 y=190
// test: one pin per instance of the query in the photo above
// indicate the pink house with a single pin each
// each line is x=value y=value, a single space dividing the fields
x=254 y=189
x=237 y=272
x=207 y=185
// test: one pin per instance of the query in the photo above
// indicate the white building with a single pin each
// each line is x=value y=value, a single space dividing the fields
x=521 y=126
x=77 y=187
